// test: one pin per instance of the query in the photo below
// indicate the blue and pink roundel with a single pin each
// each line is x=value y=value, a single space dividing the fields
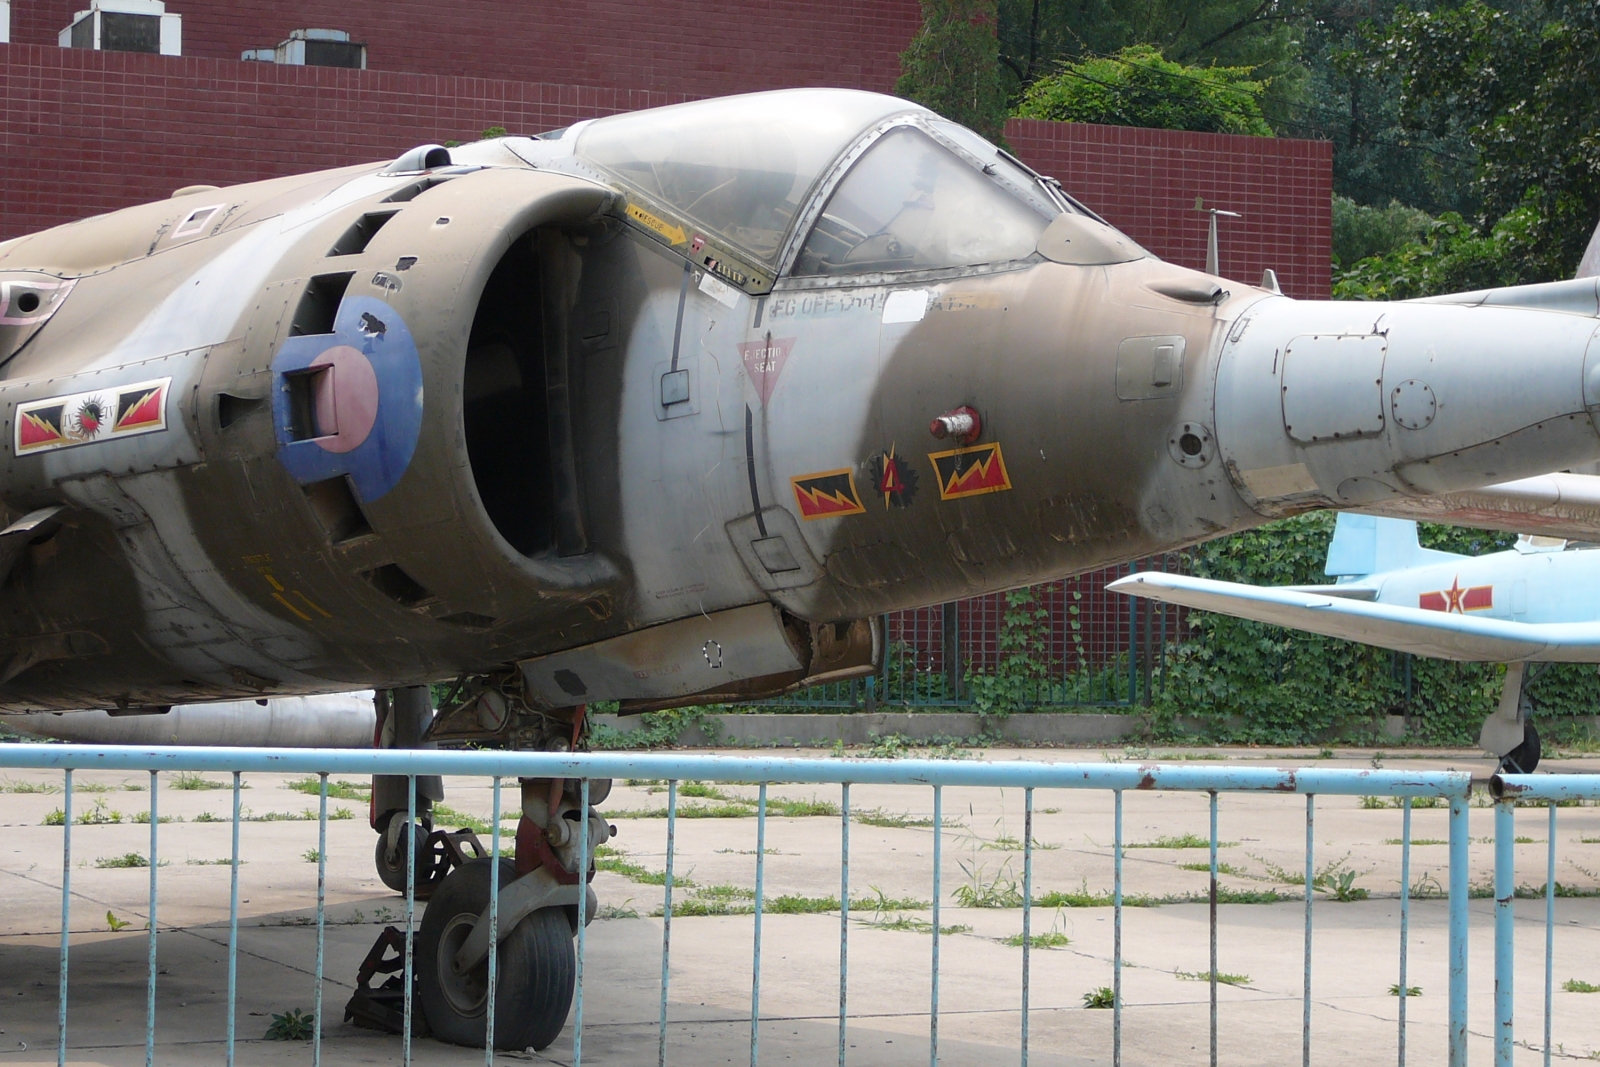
x=350 y=402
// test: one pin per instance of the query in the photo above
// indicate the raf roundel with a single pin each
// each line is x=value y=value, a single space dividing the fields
x=350 y=402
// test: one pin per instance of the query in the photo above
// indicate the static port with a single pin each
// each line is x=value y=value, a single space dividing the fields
x=1190 y=444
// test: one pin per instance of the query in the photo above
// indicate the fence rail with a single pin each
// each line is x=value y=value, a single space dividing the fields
x=1117 y=779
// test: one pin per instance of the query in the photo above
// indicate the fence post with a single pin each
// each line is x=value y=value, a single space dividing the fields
x=1458 y=931
x=66 y=917
x=1505 y=892
x=950 y=649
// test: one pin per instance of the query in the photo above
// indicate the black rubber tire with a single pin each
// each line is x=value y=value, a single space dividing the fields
x=1525 y=757
x=394 y=875
x=535 y=975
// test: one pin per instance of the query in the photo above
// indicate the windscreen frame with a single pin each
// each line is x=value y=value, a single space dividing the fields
x=825 y=188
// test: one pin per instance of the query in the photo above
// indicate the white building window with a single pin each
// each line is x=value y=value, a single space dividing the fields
x=5 y=21
x=126 y=26
x=313 y=48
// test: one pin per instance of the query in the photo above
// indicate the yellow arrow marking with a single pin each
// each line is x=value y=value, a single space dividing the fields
x=675 y=234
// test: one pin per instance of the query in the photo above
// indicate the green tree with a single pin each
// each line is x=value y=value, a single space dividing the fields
x=1037 y=36
x=1452 y=257
x=1518 y=84
x=1353 y=100
x=1361 y=231
x=1137 y=87
x=952 y=65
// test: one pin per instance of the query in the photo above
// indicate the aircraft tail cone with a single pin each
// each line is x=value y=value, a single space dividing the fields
x=1348 y=404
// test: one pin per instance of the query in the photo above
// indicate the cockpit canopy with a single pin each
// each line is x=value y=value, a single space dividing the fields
x=739 y=166
x=905 y=190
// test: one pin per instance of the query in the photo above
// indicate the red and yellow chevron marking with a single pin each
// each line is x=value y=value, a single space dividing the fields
x=970 y=471
x=827 y=495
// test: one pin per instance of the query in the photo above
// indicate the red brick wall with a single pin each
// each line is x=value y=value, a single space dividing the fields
x=700 y=47
x=86 y=132
x=1145 y=182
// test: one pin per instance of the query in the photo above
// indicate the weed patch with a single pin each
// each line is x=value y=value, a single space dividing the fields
x=1054 y=939
x=338 y=790
x=1205 y=976
x=1180 y=841
x=192 y=780
x=1222 y=868
x=292 y=1025
x=1102 y=997
x=143 y=818
x=17 y=785
x=891 y=820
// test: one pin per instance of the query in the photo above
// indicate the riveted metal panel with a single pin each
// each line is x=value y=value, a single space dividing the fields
x=1333 y=386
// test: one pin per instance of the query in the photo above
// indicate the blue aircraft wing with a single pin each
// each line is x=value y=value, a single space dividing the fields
x=1443 y=635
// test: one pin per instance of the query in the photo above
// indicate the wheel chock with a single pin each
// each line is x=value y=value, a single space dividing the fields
x=383 y=1007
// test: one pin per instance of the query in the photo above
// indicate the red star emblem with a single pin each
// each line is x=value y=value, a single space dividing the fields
x=1453 y=595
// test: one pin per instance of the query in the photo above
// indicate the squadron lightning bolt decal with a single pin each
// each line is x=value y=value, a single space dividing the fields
x=970 y=471
x=828 y=495
x=91 y=417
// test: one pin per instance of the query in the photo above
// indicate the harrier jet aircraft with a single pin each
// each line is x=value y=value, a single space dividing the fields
x=1533 y=603
x=661 y=408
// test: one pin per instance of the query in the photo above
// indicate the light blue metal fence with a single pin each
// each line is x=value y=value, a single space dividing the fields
x=1550 y=791
x=1449 y=786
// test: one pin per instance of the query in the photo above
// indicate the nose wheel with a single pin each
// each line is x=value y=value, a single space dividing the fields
x=535 y=972
x=1525 y=757
x=392 y=867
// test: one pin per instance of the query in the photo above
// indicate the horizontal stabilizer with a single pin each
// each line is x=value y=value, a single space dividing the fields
x=1439 y=634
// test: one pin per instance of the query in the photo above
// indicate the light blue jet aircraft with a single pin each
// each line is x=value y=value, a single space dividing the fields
x=1534 y=603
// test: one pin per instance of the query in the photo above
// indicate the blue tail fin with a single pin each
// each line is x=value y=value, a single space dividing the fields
x=1367 y=544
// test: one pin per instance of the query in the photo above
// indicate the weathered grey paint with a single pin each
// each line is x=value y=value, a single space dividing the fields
x=189 y=564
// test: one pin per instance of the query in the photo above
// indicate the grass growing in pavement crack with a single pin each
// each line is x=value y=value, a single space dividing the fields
x=127 y=859
x=1205 y=976
x=892 y=820
x=736 y=900
x=338 y=790
x=617 y=862
x=1054 y=939
x=913 y=924
x=444 y=816
x=1083 y=897
x=195 y=780
x=15 y=785
x=736 y=808
x=1180 y=841
x=1222 y=868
